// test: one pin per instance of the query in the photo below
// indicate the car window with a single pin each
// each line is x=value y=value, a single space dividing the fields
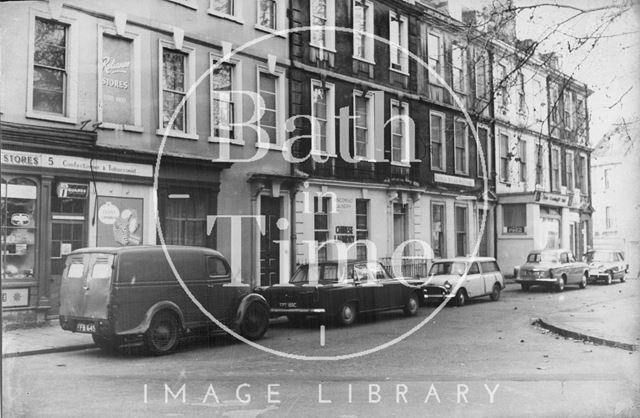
x=101 y=271
x=300 y=276
x=546 y=257
x=474 y=269
x=447 y=267
x=564 y=258
x=361 y=272
x=75 y=270
x=329 y=273
x=572 y=259
x=620 y=257
x=489 y=266
x=216 y=267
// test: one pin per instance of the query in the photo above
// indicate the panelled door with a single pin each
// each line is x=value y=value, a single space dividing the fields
x=269 y=251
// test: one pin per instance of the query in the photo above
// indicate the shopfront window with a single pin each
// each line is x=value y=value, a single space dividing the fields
x=19 y=226
x=437 y=230
x=362 y=226
x=461 y=230
x=549 y=227
x=514 y=218
x=185 y=218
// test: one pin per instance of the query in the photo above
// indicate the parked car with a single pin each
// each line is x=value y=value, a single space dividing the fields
x=606 y=265
x=129 y=295
x=554 y=268
x=342 y=292
x=463 y=278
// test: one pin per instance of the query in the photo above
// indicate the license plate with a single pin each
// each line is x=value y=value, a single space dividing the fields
x=89 y=328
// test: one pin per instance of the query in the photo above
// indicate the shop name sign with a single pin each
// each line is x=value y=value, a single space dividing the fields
x=458 y=181
x=552 y=199
x=30 y=159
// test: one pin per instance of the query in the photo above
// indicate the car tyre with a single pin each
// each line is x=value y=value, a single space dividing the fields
x=255 y=321
x=559 y=286
x=163 y=334
x=609 y=278
x=583 y=282
x=525 y=287
x=411 y=307
x=495 y=292
x=348 y=314
x=623 y=278
x=106 y=344
x=461 y=298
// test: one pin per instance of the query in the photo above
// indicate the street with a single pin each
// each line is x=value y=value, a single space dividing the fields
x=484 y=359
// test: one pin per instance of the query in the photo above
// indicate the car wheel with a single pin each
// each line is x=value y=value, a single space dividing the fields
x=255 y=321
x=348 y=314
x=560 y=284
x=106 y=344
x=461 y=297
x=495 y=292
x=583 y=282
x=623 y=278
x=411 y=307
x=525 y=287
x=163 y=334
x=609 y=278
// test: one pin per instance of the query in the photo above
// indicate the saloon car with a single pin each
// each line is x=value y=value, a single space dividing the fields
x=342 y=291
x=130 y=295
x=606 y=265
x=553 y=268
x=462 y=278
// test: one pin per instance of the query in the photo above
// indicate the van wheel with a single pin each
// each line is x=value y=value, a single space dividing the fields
x=348 y=314
x=495 y=292
x=411 y=307
x=163 y=334
x=461 y=298
x=255 y=321
x=108 y=345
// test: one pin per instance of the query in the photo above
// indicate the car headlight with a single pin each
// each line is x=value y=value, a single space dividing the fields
x=447 y=285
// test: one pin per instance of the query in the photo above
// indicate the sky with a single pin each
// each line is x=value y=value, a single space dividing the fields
x=611 y=67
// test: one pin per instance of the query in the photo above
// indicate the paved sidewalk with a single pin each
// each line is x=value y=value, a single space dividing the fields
x=45 y=339
x=613 y=318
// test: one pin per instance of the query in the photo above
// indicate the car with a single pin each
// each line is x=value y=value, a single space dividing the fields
x=607 y=265
x=342 y=291
x=553 y=268
x=130 y=295
x=462 y=278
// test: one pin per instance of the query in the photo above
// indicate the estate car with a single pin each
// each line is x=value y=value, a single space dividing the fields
x=553 y=268
x=342 y=291
x=129 y=295
x=462 y=278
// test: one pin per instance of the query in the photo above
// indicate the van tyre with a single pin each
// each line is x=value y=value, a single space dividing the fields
x=495 y=292
x=411 y=307
x=461 y=298
x=255 y=321
x=106 y=344
x=348 y=314
x=163 y=334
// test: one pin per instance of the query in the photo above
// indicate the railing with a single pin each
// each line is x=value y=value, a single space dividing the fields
x=382 y=172
x=410 y=268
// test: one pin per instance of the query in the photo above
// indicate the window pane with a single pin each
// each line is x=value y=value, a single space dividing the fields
x=170 y=103
x=222 y=6
x=173 y=70
x=266 y=13
x=48 y=101
x=46 y=79
x=49 y=44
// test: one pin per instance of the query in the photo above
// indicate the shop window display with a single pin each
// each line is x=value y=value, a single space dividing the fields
x=19 y=197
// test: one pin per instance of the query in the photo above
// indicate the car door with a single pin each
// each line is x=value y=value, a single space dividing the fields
x=367 y=287
x=489 y=275
x=474 y=283
x=221 y=298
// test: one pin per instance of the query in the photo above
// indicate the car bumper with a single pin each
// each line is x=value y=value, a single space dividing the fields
x=86 y=325
x=546 y=280
x=437 y=292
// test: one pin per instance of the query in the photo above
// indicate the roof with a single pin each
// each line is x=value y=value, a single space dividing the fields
x=464 y=259
x=549 y=251
x=144 y=249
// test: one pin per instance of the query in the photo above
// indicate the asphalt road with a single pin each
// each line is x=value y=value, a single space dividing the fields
x=485 y=359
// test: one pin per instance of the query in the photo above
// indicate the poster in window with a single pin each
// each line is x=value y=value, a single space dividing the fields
x=117 y=80
x=120 y=221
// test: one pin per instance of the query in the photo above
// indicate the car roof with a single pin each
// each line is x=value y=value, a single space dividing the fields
x=335 y=262
x=145 y=249
x=464 y=259
x=603 y=250
x=550 y=251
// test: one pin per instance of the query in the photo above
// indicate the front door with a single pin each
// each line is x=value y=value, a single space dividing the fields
x=269 y=250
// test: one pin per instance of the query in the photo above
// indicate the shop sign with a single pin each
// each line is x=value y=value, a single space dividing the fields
x=344 y=233
x=458 y=181
x=20 y=219
x=120 y=221
x=552 y=199
x=31 y=159
x=72 y=190
x=14 y=298
x=117 y=80
x=515 y=229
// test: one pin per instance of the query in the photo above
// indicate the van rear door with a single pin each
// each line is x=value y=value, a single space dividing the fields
x=86 y=285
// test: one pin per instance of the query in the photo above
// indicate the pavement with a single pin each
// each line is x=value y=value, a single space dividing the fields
x=611 y=320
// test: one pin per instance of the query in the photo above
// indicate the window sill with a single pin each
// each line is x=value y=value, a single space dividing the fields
x=365 y=60
x=225 y=16
x=270 y=30
x=235 y=285
x=176 y=134
x=399 y=164
x=322 y=154
x=191 y=4
x=401 y=72
x=119 y=127
x=331 y=49
x=269 y=146
x=461 y=173
x=438 y=169
x=219 y=140
x=50 y=117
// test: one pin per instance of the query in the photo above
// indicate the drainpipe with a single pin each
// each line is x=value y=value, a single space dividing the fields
x=294 y=189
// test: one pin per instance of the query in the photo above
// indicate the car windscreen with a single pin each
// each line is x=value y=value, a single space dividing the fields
x=447 y=267
x=542 y=258
x=599 y=257
x=300 y=276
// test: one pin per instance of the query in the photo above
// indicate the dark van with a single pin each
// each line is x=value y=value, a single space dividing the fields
x=130 y=294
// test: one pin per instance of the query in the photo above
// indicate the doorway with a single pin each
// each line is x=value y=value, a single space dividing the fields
x=269 y=249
